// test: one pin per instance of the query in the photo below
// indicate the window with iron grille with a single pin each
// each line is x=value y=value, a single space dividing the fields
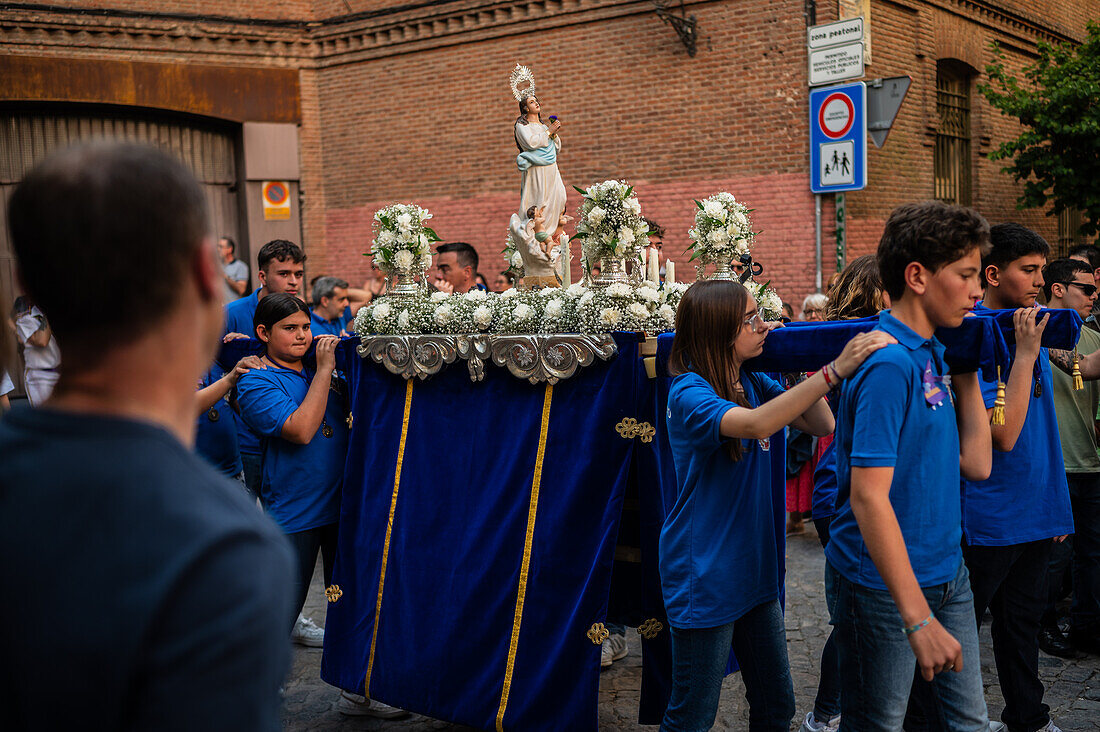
x=1069 y=225
x=951 y=165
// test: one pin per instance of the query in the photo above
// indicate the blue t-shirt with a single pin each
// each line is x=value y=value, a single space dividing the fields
x=238 y=319
x=143 y=586
x=824 y=498
x=320 y=326
x=216 y=433
x=884 y=420
x=718 y=554
x=1026 y=497
x=301 y=483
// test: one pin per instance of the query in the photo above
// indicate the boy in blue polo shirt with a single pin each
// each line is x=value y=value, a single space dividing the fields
x=1011 y=520
x=905 y=431
x=281 y=268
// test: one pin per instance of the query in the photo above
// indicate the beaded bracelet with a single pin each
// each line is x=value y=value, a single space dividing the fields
x=922 y=624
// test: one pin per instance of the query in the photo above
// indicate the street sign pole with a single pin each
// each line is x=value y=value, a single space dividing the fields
x=841 y=232
x=817 y=241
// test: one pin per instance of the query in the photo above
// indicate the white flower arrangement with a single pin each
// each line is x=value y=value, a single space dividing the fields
x=768 y=301
x=610 y=222
x=513 y=260
x=402 y=241
x=722 y=229
x=576 y=309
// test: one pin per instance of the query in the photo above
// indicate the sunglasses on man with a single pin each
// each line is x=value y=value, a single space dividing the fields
x=1086 y=289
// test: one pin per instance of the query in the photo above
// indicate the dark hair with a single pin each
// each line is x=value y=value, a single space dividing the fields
x=656 y=229
x=931 y=233
x=229 y=240
x=508 y=275
x=128 y=213
x=1009 y=243
x=281 y=249
x=522 y=119
x=1063 y=270
x=467 y=255
x=325 y=286
x=274 y=308
x=710 y=315
x=1089 y=251
x=857 y=291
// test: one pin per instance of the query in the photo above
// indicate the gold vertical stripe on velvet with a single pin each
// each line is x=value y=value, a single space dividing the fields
x=389 y=529
x=532 y=510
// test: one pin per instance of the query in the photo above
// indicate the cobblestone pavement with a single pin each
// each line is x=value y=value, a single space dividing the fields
x=1073 y=686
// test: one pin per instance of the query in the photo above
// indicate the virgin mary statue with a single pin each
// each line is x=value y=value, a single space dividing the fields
x=541 y=185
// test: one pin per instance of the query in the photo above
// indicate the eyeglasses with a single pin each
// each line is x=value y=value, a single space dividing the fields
x=755 y=322
x=1086 y=290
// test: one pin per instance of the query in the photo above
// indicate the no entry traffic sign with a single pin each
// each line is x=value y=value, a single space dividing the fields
x=838 y=138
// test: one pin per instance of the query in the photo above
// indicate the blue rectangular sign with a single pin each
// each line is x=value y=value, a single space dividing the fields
x=838 y=138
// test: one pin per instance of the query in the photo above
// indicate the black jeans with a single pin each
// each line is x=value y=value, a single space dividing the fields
x=827 y=702
x=1011 y=581
x=1084 y=492
x=305 y=545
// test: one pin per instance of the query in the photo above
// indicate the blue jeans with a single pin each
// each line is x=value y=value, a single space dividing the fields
x=827 y=702
x=253 y=464
x=877 y=663
x=699 y=659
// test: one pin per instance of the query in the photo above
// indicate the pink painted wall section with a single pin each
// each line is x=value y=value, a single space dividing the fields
x=784 y=216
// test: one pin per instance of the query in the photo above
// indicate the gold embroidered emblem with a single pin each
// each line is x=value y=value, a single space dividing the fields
x=597 y=633
x=650 y=628
x=630 y=428
x=351 y=419
x=333 y=593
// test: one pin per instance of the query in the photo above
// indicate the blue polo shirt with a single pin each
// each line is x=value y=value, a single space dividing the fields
x=885 y=421
x=718 y=555
x=320 y=326
x=301 y=483
x=216 y=432
x=238 y=319
x=1026 y=497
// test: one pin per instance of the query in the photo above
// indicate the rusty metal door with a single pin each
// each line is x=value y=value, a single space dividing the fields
x=29 y=134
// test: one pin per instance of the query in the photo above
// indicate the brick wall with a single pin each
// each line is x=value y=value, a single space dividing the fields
x=405 y=100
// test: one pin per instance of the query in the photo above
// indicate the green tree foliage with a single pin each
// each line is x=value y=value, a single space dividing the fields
x=1057 y=157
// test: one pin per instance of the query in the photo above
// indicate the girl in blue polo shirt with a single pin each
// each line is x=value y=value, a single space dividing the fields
x=301 y=419
x=719 y=546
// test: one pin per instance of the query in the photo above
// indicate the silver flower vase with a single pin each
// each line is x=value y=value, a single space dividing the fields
x=612 y=270
x=402 y=281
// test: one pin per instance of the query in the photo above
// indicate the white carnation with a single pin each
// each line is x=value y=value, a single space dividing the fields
x=523 y=312
x=715 y=210
x=385 y=238
x=740 y=220
x=610 y=317
x=553 y=309
x=717 y=236
x=403 y=320
x=586 y=298
x=596 y=215
x=633 y=206
x=576 y=289
x=483 y=315
x=772 y=303
x=476 y=295
x=619 y=289
x=381 y=312
x=438 y=296
x=509 y=294
x=426 y=260
x=444 y=314
x=404 y=222
x=626 y=236
x=638 y=310
x=649 y=294
x=516 y=260
x=668 y=313
x=404 y=259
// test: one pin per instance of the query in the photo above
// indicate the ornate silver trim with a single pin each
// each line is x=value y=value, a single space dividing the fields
x=538 y=358
x=549 y=358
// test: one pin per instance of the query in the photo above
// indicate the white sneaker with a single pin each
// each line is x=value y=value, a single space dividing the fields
x=996 y=726
x=353 y=705
x=307 y=633
x=810 y=724
x=613 y=649
x=1050 y=727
